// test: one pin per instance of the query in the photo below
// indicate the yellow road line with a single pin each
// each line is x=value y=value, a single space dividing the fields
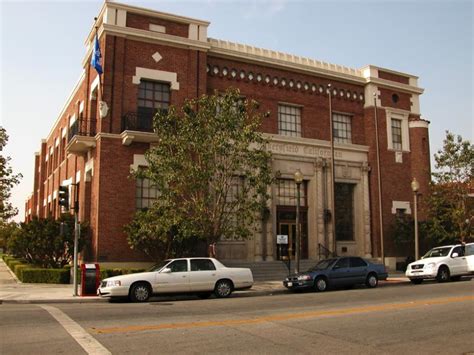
x=283 y=317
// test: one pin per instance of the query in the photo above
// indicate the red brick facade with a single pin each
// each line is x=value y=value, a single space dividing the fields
x=98 y=152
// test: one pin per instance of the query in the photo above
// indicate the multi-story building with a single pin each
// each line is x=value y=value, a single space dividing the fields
x=152 y=60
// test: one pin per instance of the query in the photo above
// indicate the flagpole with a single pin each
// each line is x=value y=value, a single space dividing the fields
x=99 y=96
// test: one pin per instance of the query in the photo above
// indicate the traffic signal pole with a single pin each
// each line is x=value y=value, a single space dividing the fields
x=77 y=231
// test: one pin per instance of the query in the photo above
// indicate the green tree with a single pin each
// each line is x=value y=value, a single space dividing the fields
x=450 y=209
x=46 y=243
x=7 y=180
x=212 y=171
x=7 y=229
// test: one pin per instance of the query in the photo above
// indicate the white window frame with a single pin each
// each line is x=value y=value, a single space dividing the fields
x=403 y=117
x=343 y=140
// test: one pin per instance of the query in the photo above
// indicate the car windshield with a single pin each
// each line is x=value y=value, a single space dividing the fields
x=323 y=264
x=436 y=252
x=159 y=266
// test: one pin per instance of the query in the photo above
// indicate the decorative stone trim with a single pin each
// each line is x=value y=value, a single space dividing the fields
x=402 y=205
x=418 y=124
x=282 y=83
x=158 y=75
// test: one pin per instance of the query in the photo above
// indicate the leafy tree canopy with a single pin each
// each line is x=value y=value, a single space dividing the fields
x=7 y=180
x=45 y=243
x=450 y=207
x=211 y=169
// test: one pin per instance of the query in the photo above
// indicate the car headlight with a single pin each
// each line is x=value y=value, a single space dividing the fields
x=113 y=283
x=304 y=277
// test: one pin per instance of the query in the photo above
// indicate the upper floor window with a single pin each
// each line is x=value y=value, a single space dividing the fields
x=342 y=128
x=146 y=193
x=153 y=96
x=396 y=134
x=289 y=120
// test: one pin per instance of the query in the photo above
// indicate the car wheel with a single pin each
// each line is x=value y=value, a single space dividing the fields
x=320 y=284
x=443 y=274
x=372 y=281
x=204 y=296
x=223 y=288
x=416 y=281
x=140 y=292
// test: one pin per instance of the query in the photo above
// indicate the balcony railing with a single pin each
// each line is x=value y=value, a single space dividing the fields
x=137 y=121
x=82 y=127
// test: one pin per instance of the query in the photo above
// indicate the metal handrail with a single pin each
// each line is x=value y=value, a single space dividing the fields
x=323 y=251
x=82 y=127
x=137 y=121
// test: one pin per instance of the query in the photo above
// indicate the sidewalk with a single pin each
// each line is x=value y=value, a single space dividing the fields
x=13 y=291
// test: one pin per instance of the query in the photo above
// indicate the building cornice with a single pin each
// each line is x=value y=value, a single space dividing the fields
x=267 y=57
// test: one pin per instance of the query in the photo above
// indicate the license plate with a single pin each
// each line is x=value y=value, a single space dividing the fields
x=290 y=284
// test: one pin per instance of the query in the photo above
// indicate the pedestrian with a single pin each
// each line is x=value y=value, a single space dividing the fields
x=212 y=250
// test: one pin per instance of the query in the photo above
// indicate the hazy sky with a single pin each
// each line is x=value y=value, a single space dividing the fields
x=42 y=46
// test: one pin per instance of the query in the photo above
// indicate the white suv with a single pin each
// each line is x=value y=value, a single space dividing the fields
x=443 y=264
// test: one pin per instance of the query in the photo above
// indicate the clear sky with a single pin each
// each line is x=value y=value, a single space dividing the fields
x=42 y=46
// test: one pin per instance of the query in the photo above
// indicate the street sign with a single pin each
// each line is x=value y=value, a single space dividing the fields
x=282 y=239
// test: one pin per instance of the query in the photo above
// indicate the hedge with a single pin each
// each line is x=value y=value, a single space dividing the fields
x=33 y=274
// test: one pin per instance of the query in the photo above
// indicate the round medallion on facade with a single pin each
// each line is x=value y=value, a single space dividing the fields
x=361 y=97
x=298 y=84
x=250 y=76
x=225 y=71
x=354 y=96
x=334 y=92
x=259 y=77
x=348 y=94
x=233 y=73
x=306 y=86
x=208 y=68
x=268 y=79
x=321 y=89
x=242 y=74
x=341 y=93
x=314 y=88
x=283 y=82
x=215 y=70
x=291 y=83
x=275 y=81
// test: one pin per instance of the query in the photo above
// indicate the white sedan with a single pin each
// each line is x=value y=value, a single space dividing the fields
x=201 y=276
x=443 y=264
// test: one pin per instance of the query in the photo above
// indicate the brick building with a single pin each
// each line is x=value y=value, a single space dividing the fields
x=153 y=60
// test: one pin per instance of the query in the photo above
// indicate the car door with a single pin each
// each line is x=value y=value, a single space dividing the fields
x=203 y=275
x=176 y=280
x=458 y=264
x=469 y=254
x=358 y=270
x=339 y=274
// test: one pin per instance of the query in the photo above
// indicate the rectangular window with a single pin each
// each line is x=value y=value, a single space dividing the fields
x=397 y=134
x=145 y=194
x=289 y=120
x=287 y=193
x=342 y=128
x=152 y=97
x=344 y=211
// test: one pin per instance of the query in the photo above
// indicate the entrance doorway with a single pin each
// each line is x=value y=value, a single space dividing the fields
x=286 y=222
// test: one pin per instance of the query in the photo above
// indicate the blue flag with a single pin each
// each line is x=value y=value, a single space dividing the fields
x=96 y=60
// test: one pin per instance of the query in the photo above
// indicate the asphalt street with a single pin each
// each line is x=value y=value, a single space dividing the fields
x=430 y=318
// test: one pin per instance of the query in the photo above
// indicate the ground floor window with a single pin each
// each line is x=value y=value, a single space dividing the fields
x=344 y=211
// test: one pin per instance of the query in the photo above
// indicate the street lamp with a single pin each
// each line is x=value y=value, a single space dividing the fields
x=415 y=186
x=298 y=176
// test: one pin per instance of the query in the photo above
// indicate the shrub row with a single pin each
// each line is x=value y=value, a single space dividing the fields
x=33 y=274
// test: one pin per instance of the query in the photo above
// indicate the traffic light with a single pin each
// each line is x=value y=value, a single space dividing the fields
x=63 y=199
